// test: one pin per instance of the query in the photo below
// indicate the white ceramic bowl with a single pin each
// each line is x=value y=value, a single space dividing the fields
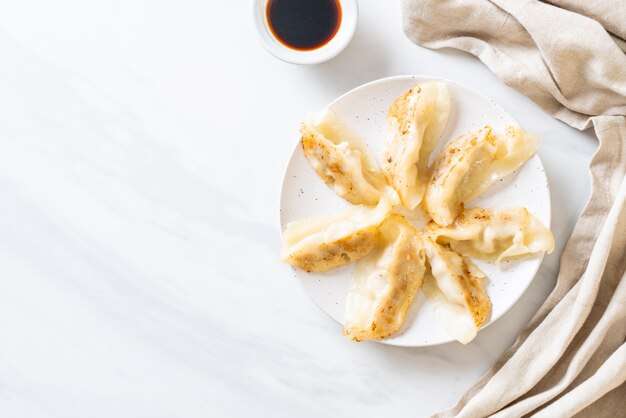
x=349 y=17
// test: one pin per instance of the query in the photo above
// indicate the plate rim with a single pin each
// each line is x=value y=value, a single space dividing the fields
x=419 y=78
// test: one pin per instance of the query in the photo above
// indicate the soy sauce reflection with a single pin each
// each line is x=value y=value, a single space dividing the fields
x=304 y=25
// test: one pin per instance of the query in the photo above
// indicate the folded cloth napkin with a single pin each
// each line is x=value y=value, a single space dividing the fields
x=568 y=56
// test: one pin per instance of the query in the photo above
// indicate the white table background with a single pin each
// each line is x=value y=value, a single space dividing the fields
x=142 y=145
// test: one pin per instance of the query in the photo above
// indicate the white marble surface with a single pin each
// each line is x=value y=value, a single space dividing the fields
x=142 y=145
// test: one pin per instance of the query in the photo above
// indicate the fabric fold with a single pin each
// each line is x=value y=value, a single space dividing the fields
x=565 y=56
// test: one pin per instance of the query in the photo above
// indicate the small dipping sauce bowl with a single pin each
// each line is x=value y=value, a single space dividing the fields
x=305 y=31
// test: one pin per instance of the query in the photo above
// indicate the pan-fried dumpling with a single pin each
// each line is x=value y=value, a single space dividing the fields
x=385 y=282
x=339 y=156
x=416 y=120
x=470 y=164
x=324 y=243
x=454 y=286
x=495 y=234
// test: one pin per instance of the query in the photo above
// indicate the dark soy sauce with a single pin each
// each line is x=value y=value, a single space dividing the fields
x=304 y=25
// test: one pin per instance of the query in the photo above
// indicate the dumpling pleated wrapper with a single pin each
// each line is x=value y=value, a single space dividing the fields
x=453 y=285
x=324 y=243
x=469 y=165
x=385 y=283
x=495 y=234
x=339 y=156
x=416 y=120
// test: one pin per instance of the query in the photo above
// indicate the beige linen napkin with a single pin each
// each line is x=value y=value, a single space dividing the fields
x=567 y=56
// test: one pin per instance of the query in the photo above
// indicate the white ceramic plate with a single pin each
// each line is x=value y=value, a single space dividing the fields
x=304 y=195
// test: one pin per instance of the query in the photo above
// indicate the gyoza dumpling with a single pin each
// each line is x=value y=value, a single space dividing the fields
x=416 y=120
x=385 y=282
x=453 y=285
x=469 y=165
x=457 y=172
x=495 y=234
x=324 y=243
x=339 y=156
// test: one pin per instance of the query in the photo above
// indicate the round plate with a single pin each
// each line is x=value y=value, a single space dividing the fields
x=304 y=195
